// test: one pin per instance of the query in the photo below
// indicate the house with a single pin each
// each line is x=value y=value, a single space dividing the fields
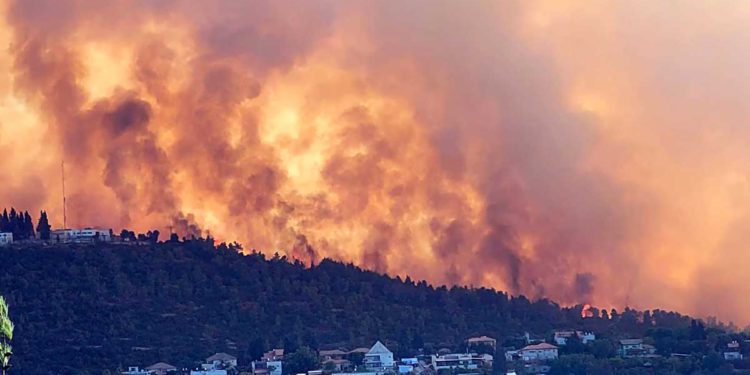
x=6 y=238
x=379 y=358
x=466 y=361
x=512 y=355
x=161 y=368
x=732 y=352
x=362 y=350
x=631 y=348
x=86 y=235
x=561 y=337
x=332 y=354
x=266 y=367
x=135 y=370
x=481 y=340
x=337 y=365
x=273 y=355
x=221 y=361
x=538 y=352
x=208 y=372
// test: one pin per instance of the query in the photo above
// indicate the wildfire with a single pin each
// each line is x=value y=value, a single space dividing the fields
x=586 y=311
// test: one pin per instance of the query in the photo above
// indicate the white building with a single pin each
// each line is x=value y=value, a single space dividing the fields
x=208 y=372
x=468 y=361
x=538 y=352
x=273 y=355
x=732 y=353
x=135 y=370
x=86 y=235
x=221 y=361
x=266 y=367
x=161 y=368
x=631 y=348
x=379 y=358
x=6 y=238
x=562 y=337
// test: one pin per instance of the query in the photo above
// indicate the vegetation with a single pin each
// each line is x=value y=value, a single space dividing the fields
x=92 y=309
x=6 y=334
x=18 y=223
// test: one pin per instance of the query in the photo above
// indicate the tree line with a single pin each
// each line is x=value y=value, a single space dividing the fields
x=91 y=309
x=22 y=225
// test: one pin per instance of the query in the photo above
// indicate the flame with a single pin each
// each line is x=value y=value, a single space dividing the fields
x=586 y=311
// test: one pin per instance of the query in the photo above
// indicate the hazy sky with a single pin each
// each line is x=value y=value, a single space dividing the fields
x=587 y=151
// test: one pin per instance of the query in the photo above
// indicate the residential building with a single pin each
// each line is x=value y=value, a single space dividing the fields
x=267 y=367
x=273 y=355
x=467 y=361
x=481 y=340
x=208 y=372
x=410 y=361
x=379 y=358
x=135 y=370
x=561 y=337
x=86 y=235
x=361 y=350
x=337 y=365
x=221 y=361
x=161 y=368
x=732 y=352
x=6 y=238
x=631 y=348
x=538 y=352
x=332 y=354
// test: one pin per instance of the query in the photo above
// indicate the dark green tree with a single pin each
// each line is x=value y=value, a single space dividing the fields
x=302 y=360
x=43 y=227
x=28 y=225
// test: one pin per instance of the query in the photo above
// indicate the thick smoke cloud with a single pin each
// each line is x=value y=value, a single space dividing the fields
x=572 y=152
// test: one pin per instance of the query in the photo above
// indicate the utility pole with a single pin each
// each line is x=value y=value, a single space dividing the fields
x=65 y=213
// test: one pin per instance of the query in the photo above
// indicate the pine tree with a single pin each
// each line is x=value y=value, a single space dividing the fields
x=14 y=226
x=43 y=227
x=28 y=225
x=5 y=222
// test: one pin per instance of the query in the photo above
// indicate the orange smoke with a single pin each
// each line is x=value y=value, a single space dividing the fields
x=573 y=152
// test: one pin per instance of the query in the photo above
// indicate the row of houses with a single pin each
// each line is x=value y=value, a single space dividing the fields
x=217 y=364
x=376 y=360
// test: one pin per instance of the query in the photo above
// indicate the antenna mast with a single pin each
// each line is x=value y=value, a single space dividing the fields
x=65 y=214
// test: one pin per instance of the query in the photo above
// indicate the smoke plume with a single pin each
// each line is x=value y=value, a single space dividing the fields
x=592 y=152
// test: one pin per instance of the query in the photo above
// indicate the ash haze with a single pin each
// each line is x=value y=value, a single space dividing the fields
x=593 y=151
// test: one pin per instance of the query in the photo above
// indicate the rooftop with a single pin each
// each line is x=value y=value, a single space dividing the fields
x=221 y=357
x=161 y=366
x=542 y=346
x=631 y=341
x=480 y=339
x=378 y=348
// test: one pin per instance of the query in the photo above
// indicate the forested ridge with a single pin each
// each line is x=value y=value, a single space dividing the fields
x=96 y=308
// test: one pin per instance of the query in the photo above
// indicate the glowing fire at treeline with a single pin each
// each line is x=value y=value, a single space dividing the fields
x=554 y=150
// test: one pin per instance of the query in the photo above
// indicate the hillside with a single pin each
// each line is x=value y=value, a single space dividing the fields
x=94 y=308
